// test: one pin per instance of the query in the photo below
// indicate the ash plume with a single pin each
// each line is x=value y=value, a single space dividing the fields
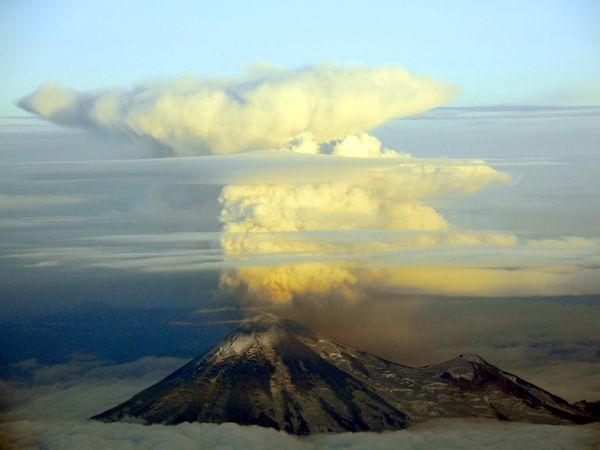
x=264 y=108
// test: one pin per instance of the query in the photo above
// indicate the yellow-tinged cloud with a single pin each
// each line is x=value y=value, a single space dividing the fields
x=480 y=281
x=262 y=109
x=343 y=280
x=285 y=282
x=266 y=226
x=567 y=242
x=391 y=198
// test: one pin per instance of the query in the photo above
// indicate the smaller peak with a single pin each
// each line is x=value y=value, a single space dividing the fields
x=260 y=322
x=473 y=357
x=261 y=318
x=264 y=322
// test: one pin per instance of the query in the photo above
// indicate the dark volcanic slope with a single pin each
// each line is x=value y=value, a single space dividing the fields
x=276 y=373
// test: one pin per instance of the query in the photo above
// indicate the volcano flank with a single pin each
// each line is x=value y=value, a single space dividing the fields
x=276 y=373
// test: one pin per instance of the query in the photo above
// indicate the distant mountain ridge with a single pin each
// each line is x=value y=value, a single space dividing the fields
x=276 y=373
x=119 y=334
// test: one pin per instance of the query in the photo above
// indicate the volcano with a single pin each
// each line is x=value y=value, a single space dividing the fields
x=276 y=373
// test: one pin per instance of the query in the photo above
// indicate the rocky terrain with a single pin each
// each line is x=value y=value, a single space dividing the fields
x=276 y=373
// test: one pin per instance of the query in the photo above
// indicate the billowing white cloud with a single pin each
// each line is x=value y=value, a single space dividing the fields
x=334 y=206
x=265 y=108
x=389 y=198
x=361 y=145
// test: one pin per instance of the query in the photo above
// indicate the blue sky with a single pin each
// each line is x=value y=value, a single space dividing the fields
x=534 y=52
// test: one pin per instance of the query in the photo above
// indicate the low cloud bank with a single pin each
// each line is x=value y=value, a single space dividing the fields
x=52 y=414
x=449 y=434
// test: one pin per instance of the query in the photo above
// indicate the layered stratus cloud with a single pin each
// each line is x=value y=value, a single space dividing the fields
x=8 y=201
x=282 y=269
x=392 y=198
x=265 y=108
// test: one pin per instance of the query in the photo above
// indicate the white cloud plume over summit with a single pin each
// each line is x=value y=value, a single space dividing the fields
x=262 y=109
x=391 y=198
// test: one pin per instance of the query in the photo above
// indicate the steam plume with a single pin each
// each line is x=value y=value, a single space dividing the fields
x=393 y=198
x=265 y=108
